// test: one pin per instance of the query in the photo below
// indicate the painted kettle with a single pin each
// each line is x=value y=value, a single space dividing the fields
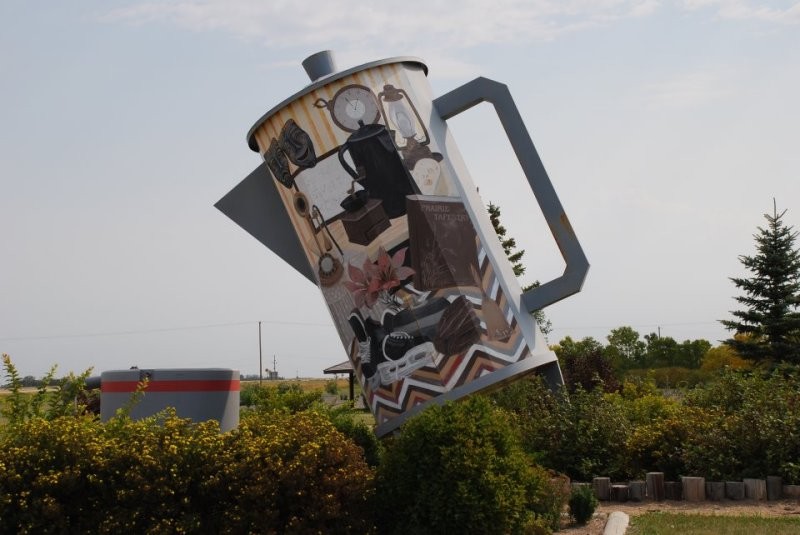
x=378 y=167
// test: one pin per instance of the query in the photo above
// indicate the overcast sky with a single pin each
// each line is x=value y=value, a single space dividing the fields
x=666 y=127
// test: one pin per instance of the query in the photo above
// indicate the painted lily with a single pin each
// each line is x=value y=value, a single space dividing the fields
x=379 y=279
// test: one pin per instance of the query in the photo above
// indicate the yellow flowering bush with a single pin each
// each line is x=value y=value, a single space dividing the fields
x=277 y=473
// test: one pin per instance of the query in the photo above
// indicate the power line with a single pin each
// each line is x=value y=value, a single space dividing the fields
x=158 y=330
x=300 y=323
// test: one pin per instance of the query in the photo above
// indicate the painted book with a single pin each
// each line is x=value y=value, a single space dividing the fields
x=442 y=242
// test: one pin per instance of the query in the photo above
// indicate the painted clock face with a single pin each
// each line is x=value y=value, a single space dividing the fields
x=354 y=103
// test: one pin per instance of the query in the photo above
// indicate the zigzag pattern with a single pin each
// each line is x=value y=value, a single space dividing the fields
x=445 y=373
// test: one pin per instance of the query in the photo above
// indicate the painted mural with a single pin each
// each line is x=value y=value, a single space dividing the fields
x=402 y=270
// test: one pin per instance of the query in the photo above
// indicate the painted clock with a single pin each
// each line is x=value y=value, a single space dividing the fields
x=350 y=105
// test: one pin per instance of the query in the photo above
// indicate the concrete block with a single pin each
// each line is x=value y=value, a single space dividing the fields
x=774 y=487
x=655 y=485
x=755 y=489
x=694 y=488
x=637 y=490
x=673 y=490
x=602 y=488
x=619 y=493
x=791 y=492
x=617 y=523
x=734 y=490
x=715 y=490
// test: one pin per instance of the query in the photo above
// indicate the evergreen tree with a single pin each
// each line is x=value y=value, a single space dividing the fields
x=515 y=257
x=769 y=324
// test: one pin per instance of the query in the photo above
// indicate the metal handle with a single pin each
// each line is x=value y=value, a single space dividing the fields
x=485 y=90
x=352 y=172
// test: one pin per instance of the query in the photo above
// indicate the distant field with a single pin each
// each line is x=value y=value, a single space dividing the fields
x=309 y=385
x=27 y=390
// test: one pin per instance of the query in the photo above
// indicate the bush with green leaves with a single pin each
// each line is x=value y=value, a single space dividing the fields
x=288 y=397
x=662 y=444
x=291 y=398
x=756 y=422
x=460 y=468
x=288 y=473
x=332 y=387
x=347 y=421
x=64 y=471
x=53 y=398
x=582 y=503
x=585 y=364
x=671 y=377
x=581 y=434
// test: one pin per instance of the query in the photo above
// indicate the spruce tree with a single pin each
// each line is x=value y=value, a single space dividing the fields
x=769 y=324
x=515 y=257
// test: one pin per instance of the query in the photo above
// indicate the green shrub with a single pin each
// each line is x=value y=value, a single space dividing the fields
x=671 y=377
x=460 y=469
x=331 y=387
x=756 y=418
x=582 y=434
x=586 y=365
x=346 y=421
x=661 y=444
x=286 y=397
x=51 y=400
x=285 y=473
x=643 y=403
x=582 y=503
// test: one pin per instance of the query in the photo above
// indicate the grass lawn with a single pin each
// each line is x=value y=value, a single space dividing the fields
x=658 y=523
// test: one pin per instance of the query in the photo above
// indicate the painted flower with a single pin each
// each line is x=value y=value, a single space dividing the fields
x=363 y=289
x=379 y=279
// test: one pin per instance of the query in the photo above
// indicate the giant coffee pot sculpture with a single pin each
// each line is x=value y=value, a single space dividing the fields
x=363 y=191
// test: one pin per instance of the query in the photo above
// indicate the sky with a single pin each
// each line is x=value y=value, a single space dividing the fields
x=667 y=129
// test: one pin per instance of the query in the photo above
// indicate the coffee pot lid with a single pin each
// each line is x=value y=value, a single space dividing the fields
x=322 y=80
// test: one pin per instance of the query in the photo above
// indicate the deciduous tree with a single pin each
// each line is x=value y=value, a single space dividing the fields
x=625 y=348
x=585 y=364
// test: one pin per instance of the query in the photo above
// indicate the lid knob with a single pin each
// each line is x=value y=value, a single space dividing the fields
x=320 y=65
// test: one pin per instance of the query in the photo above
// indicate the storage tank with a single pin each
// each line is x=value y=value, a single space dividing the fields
x=197 y=393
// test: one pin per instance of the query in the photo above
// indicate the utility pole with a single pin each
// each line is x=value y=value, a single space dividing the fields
x=260 y=363
x=274 y=366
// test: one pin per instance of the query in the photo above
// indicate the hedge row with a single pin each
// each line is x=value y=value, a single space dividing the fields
x=288 y=473
x=292 y=466
x=739 y=426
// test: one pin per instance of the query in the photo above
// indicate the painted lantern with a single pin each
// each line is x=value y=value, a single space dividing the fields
x=363 y=191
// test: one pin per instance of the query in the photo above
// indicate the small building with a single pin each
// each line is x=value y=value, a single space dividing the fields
x=344 y=367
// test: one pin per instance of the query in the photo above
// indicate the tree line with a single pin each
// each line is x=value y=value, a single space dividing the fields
x=765 y=331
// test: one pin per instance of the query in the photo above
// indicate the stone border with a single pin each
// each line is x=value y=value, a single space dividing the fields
x=691 y=488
